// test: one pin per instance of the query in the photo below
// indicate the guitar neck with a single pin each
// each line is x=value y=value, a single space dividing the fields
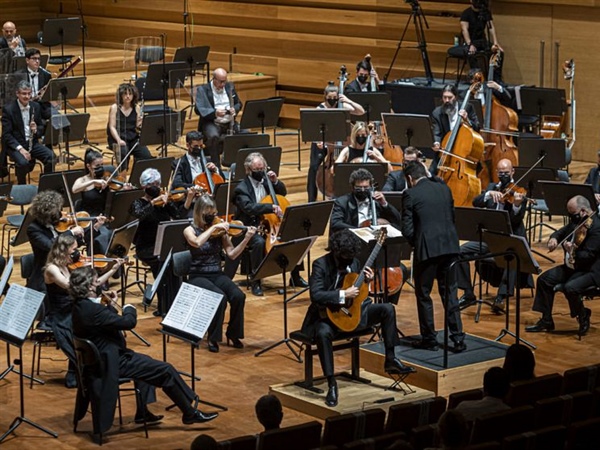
x=361 y=277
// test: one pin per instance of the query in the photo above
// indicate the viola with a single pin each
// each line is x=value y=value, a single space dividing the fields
x=272 y=222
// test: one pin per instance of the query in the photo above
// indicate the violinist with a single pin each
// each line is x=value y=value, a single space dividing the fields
x=151 y=209
x=395 y=181
x=125 y=119
x=355 y=152
x=494 y=198
x=445 y=116
x=579 y=272
x=366 y=76
x=63 y=252
x=593 y=178
x=318 y=151
x=207 y=238
x=247 y=197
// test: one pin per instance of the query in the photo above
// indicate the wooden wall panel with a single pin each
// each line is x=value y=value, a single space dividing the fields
x=25 y=14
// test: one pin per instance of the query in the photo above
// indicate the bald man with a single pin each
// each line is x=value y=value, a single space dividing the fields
x=11 y=39
x=217 y=104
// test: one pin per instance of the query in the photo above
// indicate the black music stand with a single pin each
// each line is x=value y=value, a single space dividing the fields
x=118 y=204
x=4 y=191
x=554 y=152
x=159 y=129
x=409 y=129
x=470 y=224
x=63 y=90
x=262 y=113
x=235 y=142
x=342 y=171
x=61 y=31
x=374 y=104
x=324 y=125
x=558 y=193
x=540 y=102
x=411 y=99
x=194 y=57
x=280 y=258
x=7 y=61
x=163 y=165
x=65 y=129
x=512 y=252
x=151 y=290
x=21 y=236
x=271 y=154
x=54 y=182
x=220 y=196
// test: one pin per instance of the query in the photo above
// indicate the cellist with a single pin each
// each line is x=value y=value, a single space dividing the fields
x=445 y=116
x=190 y=166
x=247 y=197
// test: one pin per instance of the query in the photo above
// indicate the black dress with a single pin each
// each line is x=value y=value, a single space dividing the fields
x=60 y=305
x=127 y=129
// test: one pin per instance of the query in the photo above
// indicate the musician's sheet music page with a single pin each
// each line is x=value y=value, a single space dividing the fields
x=193 y=310
x=18 y=311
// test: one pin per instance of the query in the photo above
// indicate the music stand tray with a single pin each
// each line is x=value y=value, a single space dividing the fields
x=271 y=154
x=153 y=129
x=163 y=165
x=262 y=113
x=72 y=127
x=159 y=72
x=319 y=124
x=193 y=56
x=121 y=239
x=554 y=152
x=374 y=104
x=65 y=88
x=411 y=99
x=408 y=129
x=558 y=193
x=308 y=219
x=540 y=102
x=342 y=171
x=231 y=145
x=470 y=222
x=172 y=238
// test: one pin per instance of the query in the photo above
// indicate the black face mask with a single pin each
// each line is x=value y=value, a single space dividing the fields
x=75 y=255
x=361 y=140
x=196 y=151
x=504 y=179
x=208 y=218
x=344 y=262
x=361 y=195
x=576 y=219
x=258 y=175
x=98 y=172
x=362 y=78
x=152 y=191
x=332 y=101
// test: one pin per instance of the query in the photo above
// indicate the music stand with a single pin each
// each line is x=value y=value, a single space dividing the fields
x=63 y=89
x=163 y=165
x=411 y=99
x=21 y=236
x=4 y=191
x=194 y=57
x=66 y=129
x=409 y=129
x=558 y=193
x=342 y=171
x=324 y=125
x=512 y=252
x=235 y=142
x=61 y=31
x=278 y=260
x=374 y=104
x=262 y=113
x=220 y=196
x=118 y=204
x=542 y=102
x=554 y=152
x=155 y=131
x=470 y=224
x=271 y=154
x=7 y=61
x=54 y=182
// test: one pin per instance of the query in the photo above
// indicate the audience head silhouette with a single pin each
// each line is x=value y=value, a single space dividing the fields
x=453 y=430
x=269 y=412
x=519 y=363
x=204 y=442
x=495 y=382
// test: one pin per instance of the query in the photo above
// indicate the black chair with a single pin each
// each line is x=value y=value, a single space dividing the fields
x=550 y=438
x=581 y=379
x=376 y=443
x=181 y=264
x=406 y=416
x=350 y=427
x=527 y=392
x=496 y=426
x=21 y=195
x=148 y=55
x=298 y=437
x=456 y=398
x=90 y=363
x=239 y=443
x=584 y=435
x=459 y=52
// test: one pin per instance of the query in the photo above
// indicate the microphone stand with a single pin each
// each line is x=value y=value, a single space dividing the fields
x=185 y=22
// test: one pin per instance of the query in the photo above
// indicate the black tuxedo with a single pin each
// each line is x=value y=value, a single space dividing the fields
x=13 y=136
x=183 y=176
x=345 y=213
x=44 y=78
x=428 y=225
x=395 y=182
x=593 y=178
x=325 y=292
x=4 y=43
x=354 y=86
x=104 y=326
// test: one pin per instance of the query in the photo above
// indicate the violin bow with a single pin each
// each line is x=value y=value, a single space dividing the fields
x=114 y=172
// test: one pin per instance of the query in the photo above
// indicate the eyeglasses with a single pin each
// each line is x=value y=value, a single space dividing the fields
x=35 y=58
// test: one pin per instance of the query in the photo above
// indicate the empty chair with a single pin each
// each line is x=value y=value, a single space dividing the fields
x=456 y=397
x=424 y=436
x=239 y=443
x=485 y=446
x=353 y=426
x=21 y=194
x=298 y=437
x=581 y=379
x=550 y=438
x=377 y=443
x=527 y=392
x=584 y=435
x=496 y=426
x=406 y=416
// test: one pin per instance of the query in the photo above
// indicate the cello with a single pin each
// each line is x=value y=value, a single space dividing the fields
x=500 y=124
x=207 y=179
x=272 y=222
x=463 y=149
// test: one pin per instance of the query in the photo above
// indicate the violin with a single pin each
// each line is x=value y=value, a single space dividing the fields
x=116 y=182
x=178 y=194
x=508 y=194
x=100 y=262
x=70 y=220
x=236 y=227
x=107 y=300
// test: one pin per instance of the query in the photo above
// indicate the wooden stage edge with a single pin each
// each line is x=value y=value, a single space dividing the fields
x=353 y=395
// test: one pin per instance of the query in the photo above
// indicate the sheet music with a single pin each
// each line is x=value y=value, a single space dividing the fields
x=367 y=234
x=193 y=310
x=18 y=311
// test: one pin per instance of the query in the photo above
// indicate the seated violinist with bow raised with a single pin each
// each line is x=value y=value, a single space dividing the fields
x=253 y=200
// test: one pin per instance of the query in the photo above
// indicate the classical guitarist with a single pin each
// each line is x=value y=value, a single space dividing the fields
x=326 y=292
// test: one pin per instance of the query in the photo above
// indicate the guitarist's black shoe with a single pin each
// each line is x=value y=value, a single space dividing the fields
x=332 y=396
x=396 y=366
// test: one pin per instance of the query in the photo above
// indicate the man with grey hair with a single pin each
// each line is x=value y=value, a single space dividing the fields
x=22 y=126
x=580 y=240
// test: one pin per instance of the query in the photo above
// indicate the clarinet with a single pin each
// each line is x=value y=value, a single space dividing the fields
x=31 y=121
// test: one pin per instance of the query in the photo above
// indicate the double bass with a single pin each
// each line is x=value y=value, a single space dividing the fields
x=463 y=149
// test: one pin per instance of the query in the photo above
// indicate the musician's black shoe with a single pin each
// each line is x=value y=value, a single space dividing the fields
x=584 y=321
x=257 y=289
x=396 y=366
x=298 y=281
x=150 y=418
x=331 y=399
x=498 y=306
x=198 y=417
x=425 y=345
x=234 y=342
x=158 y=313
x=541 y=325
x=466 y=300
x=458 y=347
x=71 y=379
x=213 y=346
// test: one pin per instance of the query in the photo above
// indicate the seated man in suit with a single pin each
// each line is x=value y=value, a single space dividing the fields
x=10 y=39
x=217 y=104
x=38 y=77
x=102 y=325
x=189 y=166
x=366 y=76
x=395 y=181
x=22 y=125
x=326 y=281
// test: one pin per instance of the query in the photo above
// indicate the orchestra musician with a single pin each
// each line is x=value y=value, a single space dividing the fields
x=444 y=118
x=64 y=251
x=365 y=72
x=22 y=126
x=493 y=198
x=396 y=181
x=593 y=178
x=357 y=148
x=499 y=89
x=248 y=196
x=125 y=119
x=103 y=326
x=217 y=104
x=579 y=272
x=10 y=39
x=428 y=225
x=207 y=238
x=318 y=151
x=38 y=77
x=189 y=166
x=326 y=279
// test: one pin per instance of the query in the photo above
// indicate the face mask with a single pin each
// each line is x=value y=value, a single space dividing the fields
x=196 y=151
x=361 y=140
x=576 y=219
x=208 y=218
x=332 y=101
x=362 y=78
x=75 y=255
x=504 y=179
x=361 y=195
x=98 y=172
x=344 y=262
x=152 y=191
x=258 y=175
